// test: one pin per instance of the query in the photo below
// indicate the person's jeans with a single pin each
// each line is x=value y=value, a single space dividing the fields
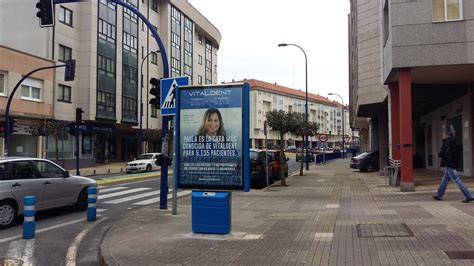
x=450 y=173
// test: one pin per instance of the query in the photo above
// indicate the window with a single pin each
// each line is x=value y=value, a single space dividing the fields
x=447 y=10
x=64 y=93
x=31 y=89
x=22 y=170
x=3 y=171
x=3 y=83
x=65 y=15
x=200 y=59
x=65 y=53
x=154 y=5
x=48 y=170
x=199 y=39
x=106 y=31
x=154 y=58
x=199 y=79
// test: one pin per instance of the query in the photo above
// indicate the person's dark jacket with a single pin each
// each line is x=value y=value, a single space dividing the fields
x=450 y=153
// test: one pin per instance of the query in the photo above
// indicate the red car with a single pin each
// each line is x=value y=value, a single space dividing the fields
x=275 y=163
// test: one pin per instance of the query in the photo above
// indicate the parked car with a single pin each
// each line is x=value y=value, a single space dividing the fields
x=300 y=157
x=258 y=174
x=291 y=149
x=145 y=163
x=52 y=186
x=275 y=163
x=366 y=161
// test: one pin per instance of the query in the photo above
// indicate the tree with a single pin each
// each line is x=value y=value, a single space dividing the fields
x=55 y=128
x=283 y=122
x=304 y=129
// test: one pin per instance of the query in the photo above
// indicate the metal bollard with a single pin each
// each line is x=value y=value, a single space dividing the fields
x=91 y=204
x=29 y=217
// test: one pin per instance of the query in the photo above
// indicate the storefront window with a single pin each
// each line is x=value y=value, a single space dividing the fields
x=455 y=124
x=86 y=145
x=65 y=145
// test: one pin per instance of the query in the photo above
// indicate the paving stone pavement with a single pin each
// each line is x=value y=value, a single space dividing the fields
x=332 y=215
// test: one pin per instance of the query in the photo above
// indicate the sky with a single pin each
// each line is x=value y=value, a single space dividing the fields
x=252 y=29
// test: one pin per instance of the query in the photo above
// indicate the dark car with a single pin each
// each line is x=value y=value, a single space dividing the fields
x=275 y=163
x=258 y=174
x=300 y=157
x=366 y=161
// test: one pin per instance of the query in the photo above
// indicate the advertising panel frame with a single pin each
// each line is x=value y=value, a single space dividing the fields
x=244 y=138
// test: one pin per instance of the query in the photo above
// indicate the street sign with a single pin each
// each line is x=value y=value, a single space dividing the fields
x=168 y=94
x=323 y=137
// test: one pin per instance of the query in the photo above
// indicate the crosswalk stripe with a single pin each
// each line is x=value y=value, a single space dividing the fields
x=99 y=187
x=157 y=199
x=110 y=189
x=130 y=191
x=130 y=198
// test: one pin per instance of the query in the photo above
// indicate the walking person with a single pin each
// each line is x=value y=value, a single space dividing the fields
x=450 y=155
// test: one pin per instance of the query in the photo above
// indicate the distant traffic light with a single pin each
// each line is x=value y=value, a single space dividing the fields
x=70 y=72
x=79 y=116
x=45 y=13
x=72 y=129
x=155 y=91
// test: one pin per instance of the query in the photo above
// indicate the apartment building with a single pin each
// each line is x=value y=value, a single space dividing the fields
x=265 y=97
x=425 y=57
x=113 y=49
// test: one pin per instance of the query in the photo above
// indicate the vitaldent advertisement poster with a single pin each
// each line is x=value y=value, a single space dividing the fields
x=210 y=137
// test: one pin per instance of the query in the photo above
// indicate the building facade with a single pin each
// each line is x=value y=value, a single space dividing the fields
x=265 y=97
x=116 y=56
x=426 y=62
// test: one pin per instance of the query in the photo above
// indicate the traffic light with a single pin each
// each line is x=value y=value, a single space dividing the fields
x=79 y=115
x=45 y=13
x=72 y=129
x=155 y=91
x=11 y=125
x=2 y=128
x=70 y=72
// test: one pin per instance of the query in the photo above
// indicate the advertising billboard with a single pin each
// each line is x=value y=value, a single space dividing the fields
x=210 y=137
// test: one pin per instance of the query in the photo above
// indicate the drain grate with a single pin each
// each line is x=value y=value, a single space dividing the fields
x=368 y=230
x=460 y=255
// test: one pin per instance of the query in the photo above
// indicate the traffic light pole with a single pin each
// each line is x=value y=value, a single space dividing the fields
x=9 y=102
x=165 y=119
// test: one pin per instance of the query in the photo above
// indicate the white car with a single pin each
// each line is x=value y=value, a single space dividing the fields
x=144 y=163
x=48 y=182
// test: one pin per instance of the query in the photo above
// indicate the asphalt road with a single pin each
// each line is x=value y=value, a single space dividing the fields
x=64 y=237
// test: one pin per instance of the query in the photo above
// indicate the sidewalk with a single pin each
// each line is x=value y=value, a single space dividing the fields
x=102 y=169
x=331 y=216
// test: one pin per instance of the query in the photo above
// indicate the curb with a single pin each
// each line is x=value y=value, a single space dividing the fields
x=111 y=180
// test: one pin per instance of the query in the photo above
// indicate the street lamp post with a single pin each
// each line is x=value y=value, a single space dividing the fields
x=306 y=98
x=141 y=99
x=342 y=113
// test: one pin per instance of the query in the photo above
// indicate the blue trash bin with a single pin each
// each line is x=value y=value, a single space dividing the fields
x=211 y=212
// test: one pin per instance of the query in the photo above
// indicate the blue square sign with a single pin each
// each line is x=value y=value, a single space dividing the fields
x=168 y=94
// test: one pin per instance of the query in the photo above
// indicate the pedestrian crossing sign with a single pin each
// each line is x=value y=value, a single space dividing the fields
x=168 y=94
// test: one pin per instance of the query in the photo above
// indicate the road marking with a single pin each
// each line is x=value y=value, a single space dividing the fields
x=72 y=250
x=130 y=198
x=28 y=252
x=14 y=252
x=45 y=229
x=122 y=193
x=110 y=189
x=157 y=199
